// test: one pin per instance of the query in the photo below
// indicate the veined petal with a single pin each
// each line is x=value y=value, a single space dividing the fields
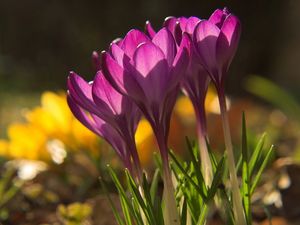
x=174 y=26
x=181 y=61
x=170 y=23
x=81 y=92
x=228 y=40
x=218 y=17
x=113 y=72
x=118 y=54
x=205 y=41
x=152 y=70
x=105 y=96
x=165 y=41
x=149 y=29
x=119 y=78
x=132 y=40
x=191 y=24
x=81 y=115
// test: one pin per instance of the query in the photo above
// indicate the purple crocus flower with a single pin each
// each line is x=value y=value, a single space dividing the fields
x=149 y=71
x=216 y=41
x=107 y=113
x=194 y=84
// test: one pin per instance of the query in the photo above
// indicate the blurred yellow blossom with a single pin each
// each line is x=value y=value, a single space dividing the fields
x=49 y=128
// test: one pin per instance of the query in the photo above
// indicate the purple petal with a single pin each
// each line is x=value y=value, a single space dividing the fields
x=152 y=70
x=205 y=40
x=105 y=96
x=191 y=24
x=170 y=23
x=96 y=61
x=132 y=39
x=165 y=41
x=218 y=17
x=82 y=116
x=149 y=29
x=81 y=91
x=181 y=61
x=118 y=54
x=119 y=78
x=228 y=40
x=113 y=72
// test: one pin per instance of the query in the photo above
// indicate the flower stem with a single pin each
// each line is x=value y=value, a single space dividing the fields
x=236 y=197
x=171 y=216
x=201 y=131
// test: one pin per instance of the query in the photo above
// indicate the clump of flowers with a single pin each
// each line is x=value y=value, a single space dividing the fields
x=142 y=75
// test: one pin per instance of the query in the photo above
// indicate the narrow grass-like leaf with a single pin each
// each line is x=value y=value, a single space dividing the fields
x=200 y=189
x=245 y=174
x=183 y=216
x=154 y=185
x=202 y=216
x=120 y=221
x=217 y=180
x=261 y=169
x=137 y=196
x=195 y=161
x=253 y=163
x=125 y=203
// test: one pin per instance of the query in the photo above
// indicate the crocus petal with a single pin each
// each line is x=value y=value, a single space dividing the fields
x=118 y=54
x=81 y=92
x=151 y=70
x=174 y=26
x=132 y=39
x=165 y=41
x=227 y=42
x=149 y=29
x=170 y=23
x=105 y=96
x=181 y=61
x=96 y=61
x=218 y=17
x=182 y=21
x=190 y=25
x=119 y=78
x=81 y=115
x=205 y=41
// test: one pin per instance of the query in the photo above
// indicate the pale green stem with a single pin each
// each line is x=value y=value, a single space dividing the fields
x=205 y=159
x=171 y=216
x=236 y=197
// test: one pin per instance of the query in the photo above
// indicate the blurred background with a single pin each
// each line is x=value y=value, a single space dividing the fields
x=41 y=41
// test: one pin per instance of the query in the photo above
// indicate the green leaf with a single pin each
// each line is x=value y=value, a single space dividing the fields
x=274 y=94
x=125 y=203
x=261 y=169
x=217 y=180
x=115 y=211
x=256 y=154
x=184 y=212
x=154 y=185
x=199 y=188
x=245 y=173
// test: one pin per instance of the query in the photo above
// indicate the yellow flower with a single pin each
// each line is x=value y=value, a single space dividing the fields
x=49 y=128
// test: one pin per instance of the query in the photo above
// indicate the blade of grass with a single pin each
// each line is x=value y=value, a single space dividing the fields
x=245 y=174
x=256 y=154
x=197 y=187
x=261 y=169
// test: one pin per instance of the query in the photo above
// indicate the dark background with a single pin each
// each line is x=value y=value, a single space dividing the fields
x=40 y=41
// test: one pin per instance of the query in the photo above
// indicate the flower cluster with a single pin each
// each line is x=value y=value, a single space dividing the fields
x=143 y=73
